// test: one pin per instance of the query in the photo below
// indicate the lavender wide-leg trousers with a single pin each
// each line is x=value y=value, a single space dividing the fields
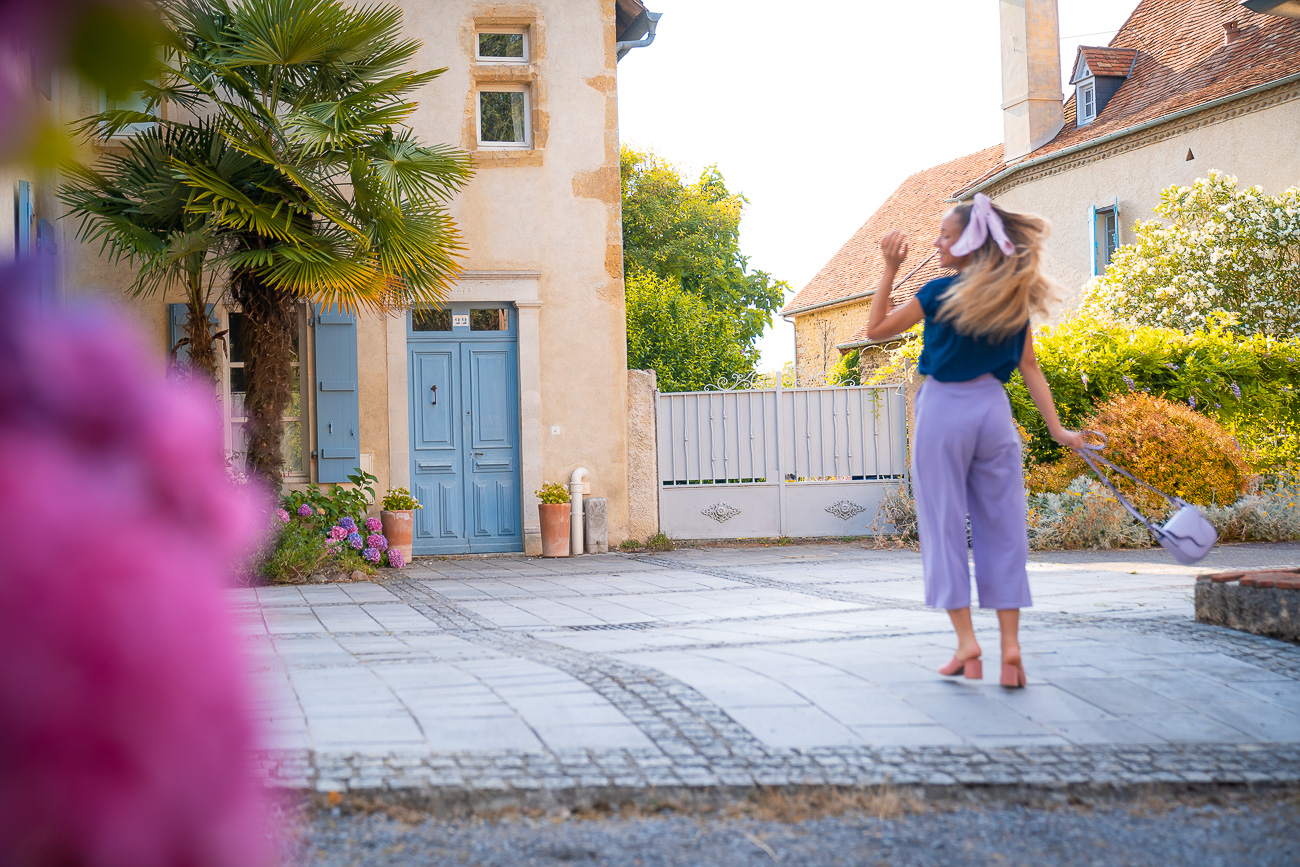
x=966 y=459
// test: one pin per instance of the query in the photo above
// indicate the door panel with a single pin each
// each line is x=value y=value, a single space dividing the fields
x=491 y=381
x=436 y=463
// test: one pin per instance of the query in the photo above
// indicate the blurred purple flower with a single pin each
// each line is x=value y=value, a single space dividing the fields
x=304 y=511
x=375 y=540
x=354 y=539
x=348 y=524
x=371 y=554
x=120 y=744
x=1191 y=401
x=1084 y=377
x=1128 y=382
x=1236 y=390
x=395 y=558
x=374 y=525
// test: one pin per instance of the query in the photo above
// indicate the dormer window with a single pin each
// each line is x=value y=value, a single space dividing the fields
x=1098 y=74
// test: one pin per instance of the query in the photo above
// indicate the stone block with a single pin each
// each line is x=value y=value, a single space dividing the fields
x=595 y=525
x=1264 y=601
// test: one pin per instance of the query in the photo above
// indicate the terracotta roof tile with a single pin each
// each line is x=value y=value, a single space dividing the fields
x=1182 y=62
x=916 y=207
x=1108 y=61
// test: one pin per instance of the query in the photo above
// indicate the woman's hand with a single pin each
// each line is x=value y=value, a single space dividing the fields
x=893 y=247
x=1071 y=439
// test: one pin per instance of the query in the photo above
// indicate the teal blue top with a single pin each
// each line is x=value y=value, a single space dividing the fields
x=952 y=357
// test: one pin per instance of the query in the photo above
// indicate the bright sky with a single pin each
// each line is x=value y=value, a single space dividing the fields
x=817 y=110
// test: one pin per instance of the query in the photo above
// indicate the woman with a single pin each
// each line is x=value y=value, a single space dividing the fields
x=966 y=450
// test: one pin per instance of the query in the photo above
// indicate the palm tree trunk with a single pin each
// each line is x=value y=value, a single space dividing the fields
x=270 y=320
x=202 y=346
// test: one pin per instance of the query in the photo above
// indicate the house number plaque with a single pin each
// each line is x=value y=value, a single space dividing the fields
x=460 y=320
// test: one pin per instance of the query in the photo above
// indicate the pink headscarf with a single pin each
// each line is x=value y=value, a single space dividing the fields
x=983 y=222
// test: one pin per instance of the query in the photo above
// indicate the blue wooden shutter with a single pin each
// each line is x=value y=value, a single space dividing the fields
x=25 y=216
x=338 y=412
x=1092 y=237
x=177 y=314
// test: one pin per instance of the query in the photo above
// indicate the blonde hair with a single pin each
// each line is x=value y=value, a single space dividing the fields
x=995 y=294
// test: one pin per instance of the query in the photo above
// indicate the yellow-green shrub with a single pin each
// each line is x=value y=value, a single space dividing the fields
x=1167 y=445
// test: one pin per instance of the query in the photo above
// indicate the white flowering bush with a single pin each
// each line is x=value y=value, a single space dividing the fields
x=1226 y=255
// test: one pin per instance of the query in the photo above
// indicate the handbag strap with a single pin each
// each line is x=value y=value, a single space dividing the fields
x=1092 y=455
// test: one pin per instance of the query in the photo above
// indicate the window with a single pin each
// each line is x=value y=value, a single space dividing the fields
x=508 y=46
x=1105 y=237
x=1087 y=103
x=503 y=116
x=430 y=319
x=235 y=386
x=132 y=102
x=489 y=319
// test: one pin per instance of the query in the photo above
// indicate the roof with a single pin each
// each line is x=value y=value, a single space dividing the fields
x=1114 y=62
x=1182 y=62
x=917 y=207
x=625 y=12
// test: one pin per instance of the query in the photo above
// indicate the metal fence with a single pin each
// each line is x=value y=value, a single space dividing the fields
x=778 y=461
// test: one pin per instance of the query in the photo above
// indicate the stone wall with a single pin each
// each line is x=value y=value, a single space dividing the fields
x=642 y=456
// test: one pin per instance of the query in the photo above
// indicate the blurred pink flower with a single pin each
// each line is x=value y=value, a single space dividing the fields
x=125 y=734
x=374 y=525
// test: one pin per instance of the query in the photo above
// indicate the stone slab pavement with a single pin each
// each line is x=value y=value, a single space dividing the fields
x=730 y=667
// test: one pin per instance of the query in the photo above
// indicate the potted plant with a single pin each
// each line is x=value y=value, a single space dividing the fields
x=398 y=519
x=554 y=510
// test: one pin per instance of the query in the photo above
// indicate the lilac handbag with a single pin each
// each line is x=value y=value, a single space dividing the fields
x=1188 y=535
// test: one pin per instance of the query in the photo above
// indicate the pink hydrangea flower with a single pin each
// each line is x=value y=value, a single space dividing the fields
x=395 y=558
x=337 y=532
x=374 y=525
x=125 y=729
x=282 y=515
x=375 y=540
x=304 y=511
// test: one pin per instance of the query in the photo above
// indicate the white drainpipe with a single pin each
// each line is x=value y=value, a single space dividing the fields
x=576 y=484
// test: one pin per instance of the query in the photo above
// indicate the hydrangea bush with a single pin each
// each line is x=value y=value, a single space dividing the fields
x=1224 y=252
x=316 y=534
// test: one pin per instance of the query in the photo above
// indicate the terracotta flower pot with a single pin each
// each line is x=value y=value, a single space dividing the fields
x=398 y=527
x=555 y=529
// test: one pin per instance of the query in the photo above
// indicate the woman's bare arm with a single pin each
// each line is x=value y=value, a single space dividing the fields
x=883 y=320
x=1042 y=395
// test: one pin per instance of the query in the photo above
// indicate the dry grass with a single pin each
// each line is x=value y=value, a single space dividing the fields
x=799 y=805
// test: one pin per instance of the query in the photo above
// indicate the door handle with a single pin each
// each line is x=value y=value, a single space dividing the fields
x=435 y=395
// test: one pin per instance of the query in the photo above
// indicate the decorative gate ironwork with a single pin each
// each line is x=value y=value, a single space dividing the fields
x=761 y=462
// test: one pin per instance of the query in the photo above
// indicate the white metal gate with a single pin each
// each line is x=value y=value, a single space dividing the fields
x=763 y=462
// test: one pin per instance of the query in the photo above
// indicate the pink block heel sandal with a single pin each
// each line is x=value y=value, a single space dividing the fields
x=1013 y=676
x=972 y=669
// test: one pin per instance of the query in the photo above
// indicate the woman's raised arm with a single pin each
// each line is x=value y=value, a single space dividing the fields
x=883 y=321
x=1042 y=395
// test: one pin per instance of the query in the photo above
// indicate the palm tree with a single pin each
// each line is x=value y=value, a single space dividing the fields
x=136 y=207
x=347 y=209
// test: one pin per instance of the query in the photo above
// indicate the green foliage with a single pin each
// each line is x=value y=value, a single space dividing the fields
x=298 y=551
x=845 y=370
x=1084 y=515
x=338 y=501
x=552 y=493
x=1225 y=252
x=690 y=234
x=675 y=333
x=1250 y=385
x=629 y=545
x=659 y=543
x=399 y=499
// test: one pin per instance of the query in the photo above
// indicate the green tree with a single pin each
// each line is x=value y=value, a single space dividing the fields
x=1226 y=255
x=673 y=332
x=690 y=233
x=348 y=210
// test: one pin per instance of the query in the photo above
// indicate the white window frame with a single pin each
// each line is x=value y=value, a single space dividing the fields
x=229 y=420
x=131 y=128
x=503 y=87
x=506 y=31
x=1087 y=102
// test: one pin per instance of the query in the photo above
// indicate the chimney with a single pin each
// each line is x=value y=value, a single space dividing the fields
x=1230 y=32
x=1032 y=113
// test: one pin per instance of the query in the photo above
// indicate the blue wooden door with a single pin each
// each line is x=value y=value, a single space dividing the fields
x=465 y=430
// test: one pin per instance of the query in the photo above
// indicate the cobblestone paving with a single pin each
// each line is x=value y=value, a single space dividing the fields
x=520 y=680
